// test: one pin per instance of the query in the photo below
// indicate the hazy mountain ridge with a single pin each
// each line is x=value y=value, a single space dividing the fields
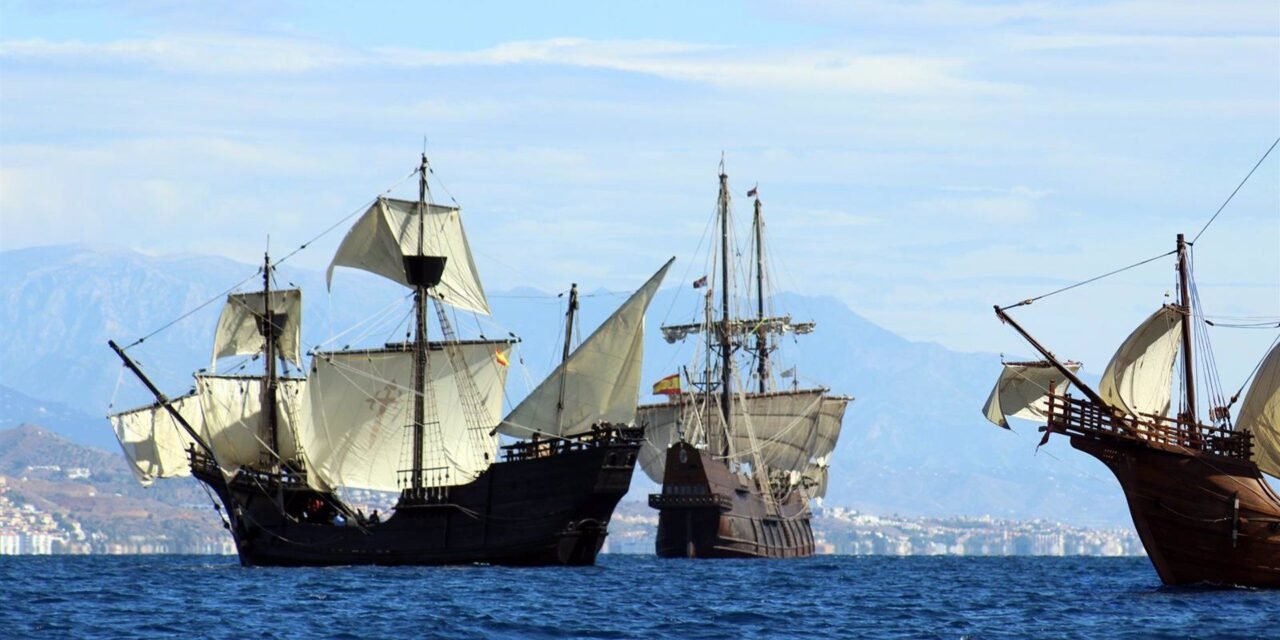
x=89 y=489
x=18 y=408
x=914 y=441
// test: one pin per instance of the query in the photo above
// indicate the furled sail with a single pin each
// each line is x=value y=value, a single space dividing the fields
x=777 y=325
x=789 y=427
x=1023 y=391
x=663 y=424
x=1139 y=378
x=388 y=231
x=239 y=331
x=1260 y=414
x=155 y=444
x=815 y=477
x=233 y=424
x=362 y=409
x=600 y=379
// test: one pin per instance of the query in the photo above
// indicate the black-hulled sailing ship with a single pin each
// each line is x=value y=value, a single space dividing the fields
x=738 y=459
x=1194 y=485
x=419 y=418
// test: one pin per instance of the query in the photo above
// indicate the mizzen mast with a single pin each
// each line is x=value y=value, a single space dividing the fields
x=564 y=356
x=1188 y=364
x=762 y=334
x=726 y=344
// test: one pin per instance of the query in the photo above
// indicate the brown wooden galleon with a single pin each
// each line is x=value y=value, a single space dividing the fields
x=1199 y=503
x=709 y=505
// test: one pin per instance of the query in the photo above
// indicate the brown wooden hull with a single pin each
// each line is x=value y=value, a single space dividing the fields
x=1203 y=518
x=706 y=511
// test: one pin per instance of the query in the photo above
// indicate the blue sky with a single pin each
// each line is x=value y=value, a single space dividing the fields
x=920 y=161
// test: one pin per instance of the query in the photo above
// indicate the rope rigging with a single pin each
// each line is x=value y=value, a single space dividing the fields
x=1244 y=325
x=193 y=311
x=258 y=271
x=1084 y=282
x=1138 y=264
x=1236 y=395
x=1237 y=190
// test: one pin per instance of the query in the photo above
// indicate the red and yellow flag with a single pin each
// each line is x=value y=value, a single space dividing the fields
x=501 y=358
x=668 y=386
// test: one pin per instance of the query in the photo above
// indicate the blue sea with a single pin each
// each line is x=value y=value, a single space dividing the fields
x=622 y=597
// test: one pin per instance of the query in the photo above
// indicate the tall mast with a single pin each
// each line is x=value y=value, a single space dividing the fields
x=762 y=337
x=708 y=312
x=270 y=378
x=1188 y=364
x=568 y=336
x=420 y=336
x=726 y=351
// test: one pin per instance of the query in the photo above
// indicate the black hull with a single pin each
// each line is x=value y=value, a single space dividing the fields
x=550 y=510
x=705 y=511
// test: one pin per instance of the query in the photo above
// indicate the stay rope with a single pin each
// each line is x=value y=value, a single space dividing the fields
x=1237 y=190
x=1084 y=282
x=259 y=270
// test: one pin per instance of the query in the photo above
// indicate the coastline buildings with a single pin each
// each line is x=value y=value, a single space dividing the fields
x=28 y=529
x=841 y=531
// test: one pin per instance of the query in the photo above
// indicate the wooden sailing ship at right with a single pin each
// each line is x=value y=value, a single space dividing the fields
x=738 y=460
x=1195 y=487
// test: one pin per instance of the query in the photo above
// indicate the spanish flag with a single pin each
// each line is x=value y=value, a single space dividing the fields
x=668 y=386
x=501 y=358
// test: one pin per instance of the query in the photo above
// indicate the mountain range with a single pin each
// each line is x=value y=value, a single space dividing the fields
x=92 y=491
x=914 y=441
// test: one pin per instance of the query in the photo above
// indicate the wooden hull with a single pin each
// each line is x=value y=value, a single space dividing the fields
x=1203 y=518
x=705 y=511
x=551 y=510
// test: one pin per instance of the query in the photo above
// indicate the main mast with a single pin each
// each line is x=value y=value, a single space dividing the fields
x=762 y=335
x=271 y=380
x=422 y=272
x=726 y=345
x=1184 y=290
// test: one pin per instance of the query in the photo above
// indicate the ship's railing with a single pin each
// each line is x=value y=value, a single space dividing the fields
x=201 y=463
x=434 y=481
x=1081 y=416
x=602 y=434
x=292 y=474
x=667 y=500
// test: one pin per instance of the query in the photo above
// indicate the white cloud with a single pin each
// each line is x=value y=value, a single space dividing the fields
x=1133 y=16
x=195 y=53
x=1167 y=42
x=818 y=69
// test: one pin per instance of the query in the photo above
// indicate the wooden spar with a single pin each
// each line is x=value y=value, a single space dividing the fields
x=762 y=336
x=568 y=323
x=726 y=348
x=1053 y=360
x=422 y=272
x=707 y=315
x=270 y=381
x=1188 y=365
x=161 y=398
x=420 y=337
x=564 y=356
